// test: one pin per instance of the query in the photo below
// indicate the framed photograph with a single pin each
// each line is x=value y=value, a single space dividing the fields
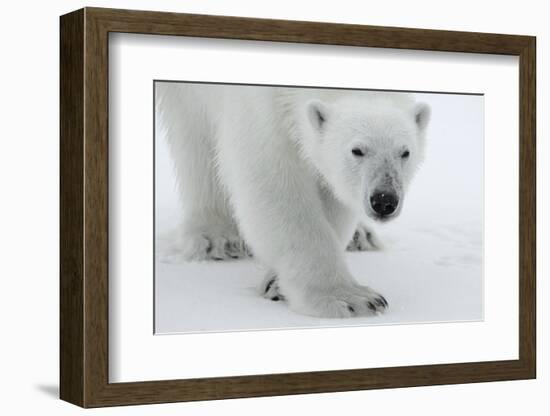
x=255 y=207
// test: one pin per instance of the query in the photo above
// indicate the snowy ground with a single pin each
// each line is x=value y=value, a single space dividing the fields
x=430 y=269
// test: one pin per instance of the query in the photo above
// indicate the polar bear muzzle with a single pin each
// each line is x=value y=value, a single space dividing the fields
x=384 y=203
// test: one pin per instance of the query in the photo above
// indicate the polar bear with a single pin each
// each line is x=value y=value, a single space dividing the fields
x=292 y=175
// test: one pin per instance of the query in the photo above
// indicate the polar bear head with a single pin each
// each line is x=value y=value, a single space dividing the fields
x=367 y=148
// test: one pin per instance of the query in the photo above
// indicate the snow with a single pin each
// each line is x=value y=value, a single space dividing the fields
x=430 y=270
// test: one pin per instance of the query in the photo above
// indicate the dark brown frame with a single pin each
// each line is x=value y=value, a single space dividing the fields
x=84 y=210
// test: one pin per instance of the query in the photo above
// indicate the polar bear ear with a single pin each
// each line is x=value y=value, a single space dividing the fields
x=317 y=114
x=422 y=114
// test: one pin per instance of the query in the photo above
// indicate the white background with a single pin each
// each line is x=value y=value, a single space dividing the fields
x=29 y=220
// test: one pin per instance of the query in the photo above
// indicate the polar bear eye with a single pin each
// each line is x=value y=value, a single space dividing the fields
x=357 y=152
x=405 y=154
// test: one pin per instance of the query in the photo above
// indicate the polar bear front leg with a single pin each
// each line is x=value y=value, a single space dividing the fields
x=283 y=221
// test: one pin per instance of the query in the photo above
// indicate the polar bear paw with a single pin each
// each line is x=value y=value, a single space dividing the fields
x=346 y=301
x=208 y=246
x=364 y=239
x=270 y=288
x=204 y=243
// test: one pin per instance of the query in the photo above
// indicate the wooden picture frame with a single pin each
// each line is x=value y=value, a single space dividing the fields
x=84 y=207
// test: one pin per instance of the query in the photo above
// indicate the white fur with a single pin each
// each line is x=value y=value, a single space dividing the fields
x=274 y=167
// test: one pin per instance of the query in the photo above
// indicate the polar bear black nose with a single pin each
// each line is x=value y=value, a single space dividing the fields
x=384 y=203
